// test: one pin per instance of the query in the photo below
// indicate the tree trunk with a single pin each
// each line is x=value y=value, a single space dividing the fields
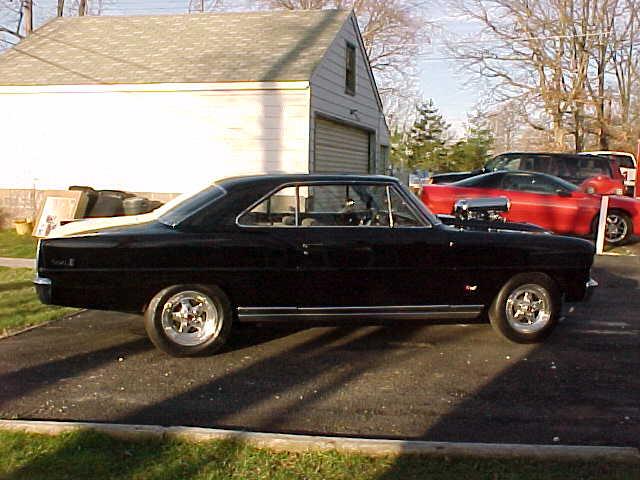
x=27 y=9
x=82 y=8
x=559 y=131
x=578 y=133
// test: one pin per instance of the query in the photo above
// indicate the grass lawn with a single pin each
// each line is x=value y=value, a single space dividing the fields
x=83 y=455
x=17 y=246
x=19 y=305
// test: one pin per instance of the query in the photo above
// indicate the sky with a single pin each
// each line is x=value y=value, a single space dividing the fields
x=442 y=80
x=439 y=78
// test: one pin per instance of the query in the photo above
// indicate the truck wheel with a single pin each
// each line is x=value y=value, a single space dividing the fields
x=189 y=320
x=526 y=309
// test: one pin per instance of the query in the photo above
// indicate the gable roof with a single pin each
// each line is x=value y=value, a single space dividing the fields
x=197 y=48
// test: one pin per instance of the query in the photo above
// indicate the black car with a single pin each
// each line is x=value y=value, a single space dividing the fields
x=338 y=248
x=572 y=168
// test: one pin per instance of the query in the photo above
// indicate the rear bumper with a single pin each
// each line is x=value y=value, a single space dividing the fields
x=43 y=289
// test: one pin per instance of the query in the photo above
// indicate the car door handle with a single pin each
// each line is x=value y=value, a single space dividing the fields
x=307 y=246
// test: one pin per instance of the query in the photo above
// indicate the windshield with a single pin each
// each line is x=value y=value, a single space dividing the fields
x=418 y=205
x=503 y=162
x=185 y=205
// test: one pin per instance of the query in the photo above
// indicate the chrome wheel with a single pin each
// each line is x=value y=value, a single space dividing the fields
x=528 y=308
x=616 y=229
x=190 y=318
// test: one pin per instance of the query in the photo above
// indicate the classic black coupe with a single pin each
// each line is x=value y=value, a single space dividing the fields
x=317 y=248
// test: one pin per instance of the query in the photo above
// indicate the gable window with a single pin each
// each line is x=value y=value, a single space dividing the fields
x=350 y=82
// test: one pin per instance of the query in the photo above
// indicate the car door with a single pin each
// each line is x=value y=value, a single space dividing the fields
x=539 y=199
x=263 y=254
x=355 y=254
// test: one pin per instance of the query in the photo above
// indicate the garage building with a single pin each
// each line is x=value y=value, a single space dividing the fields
x=163 y=104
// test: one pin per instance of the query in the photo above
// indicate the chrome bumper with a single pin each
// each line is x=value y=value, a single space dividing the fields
x=591 y=285
x=43 y=289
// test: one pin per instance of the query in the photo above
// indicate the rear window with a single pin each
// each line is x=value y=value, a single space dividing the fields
x=184 y=206
x=487 y=180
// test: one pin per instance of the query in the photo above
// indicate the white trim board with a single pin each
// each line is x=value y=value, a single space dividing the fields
x=153 y=87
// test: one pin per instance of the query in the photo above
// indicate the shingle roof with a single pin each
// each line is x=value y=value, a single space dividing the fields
x=198 y=48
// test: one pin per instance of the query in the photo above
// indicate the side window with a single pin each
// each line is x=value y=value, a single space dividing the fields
x=350 y=70
x=334 y=205
x=279 y=210
x=512 y=164
x=344 y=205
x=528 y=163
x=592 y=167
x=529 y=183
x=623 y=161
x=510 y=182
x=402 y=215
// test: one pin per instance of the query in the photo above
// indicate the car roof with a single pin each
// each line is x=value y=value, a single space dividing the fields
x=608 y=152
x=511 y=172
x=550 y=154
x=282 y=178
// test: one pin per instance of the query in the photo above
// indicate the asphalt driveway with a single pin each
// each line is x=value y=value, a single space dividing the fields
x=435 y=382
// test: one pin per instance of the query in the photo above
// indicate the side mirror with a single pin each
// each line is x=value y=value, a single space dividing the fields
x=488 y=208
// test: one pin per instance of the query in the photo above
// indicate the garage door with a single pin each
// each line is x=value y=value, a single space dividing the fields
x=340 y=148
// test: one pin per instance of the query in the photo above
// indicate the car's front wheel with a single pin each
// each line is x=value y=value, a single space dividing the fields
x=526 y=309
x=189 y=320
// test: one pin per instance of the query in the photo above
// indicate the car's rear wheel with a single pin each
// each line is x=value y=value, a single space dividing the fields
x=618 y=228
x=189 y=320
x=526 y=309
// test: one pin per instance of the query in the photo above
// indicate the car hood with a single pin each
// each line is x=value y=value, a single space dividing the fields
x=91 y=225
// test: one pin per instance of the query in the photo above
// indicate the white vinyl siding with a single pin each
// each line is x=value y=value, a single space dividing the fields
x=151 y=141
x=340 y=148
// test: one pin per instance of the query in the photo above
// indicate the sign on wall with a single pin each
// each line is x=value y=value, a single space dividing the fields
x=56 y=208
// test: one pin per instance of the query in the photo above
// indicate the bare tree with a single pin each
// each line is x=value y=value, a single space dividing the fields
x=11 y=16
x=571 y=63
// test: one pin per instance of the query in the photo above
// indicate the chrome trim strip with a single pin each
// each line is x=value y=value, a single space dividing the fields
x=42 y=281
x=38 y=253
x=390 y=308
x=409 y=312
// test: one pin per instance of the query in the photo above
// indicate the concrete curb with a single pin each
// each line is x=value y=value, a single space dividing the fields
x=362 y=446
x=13 y=333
